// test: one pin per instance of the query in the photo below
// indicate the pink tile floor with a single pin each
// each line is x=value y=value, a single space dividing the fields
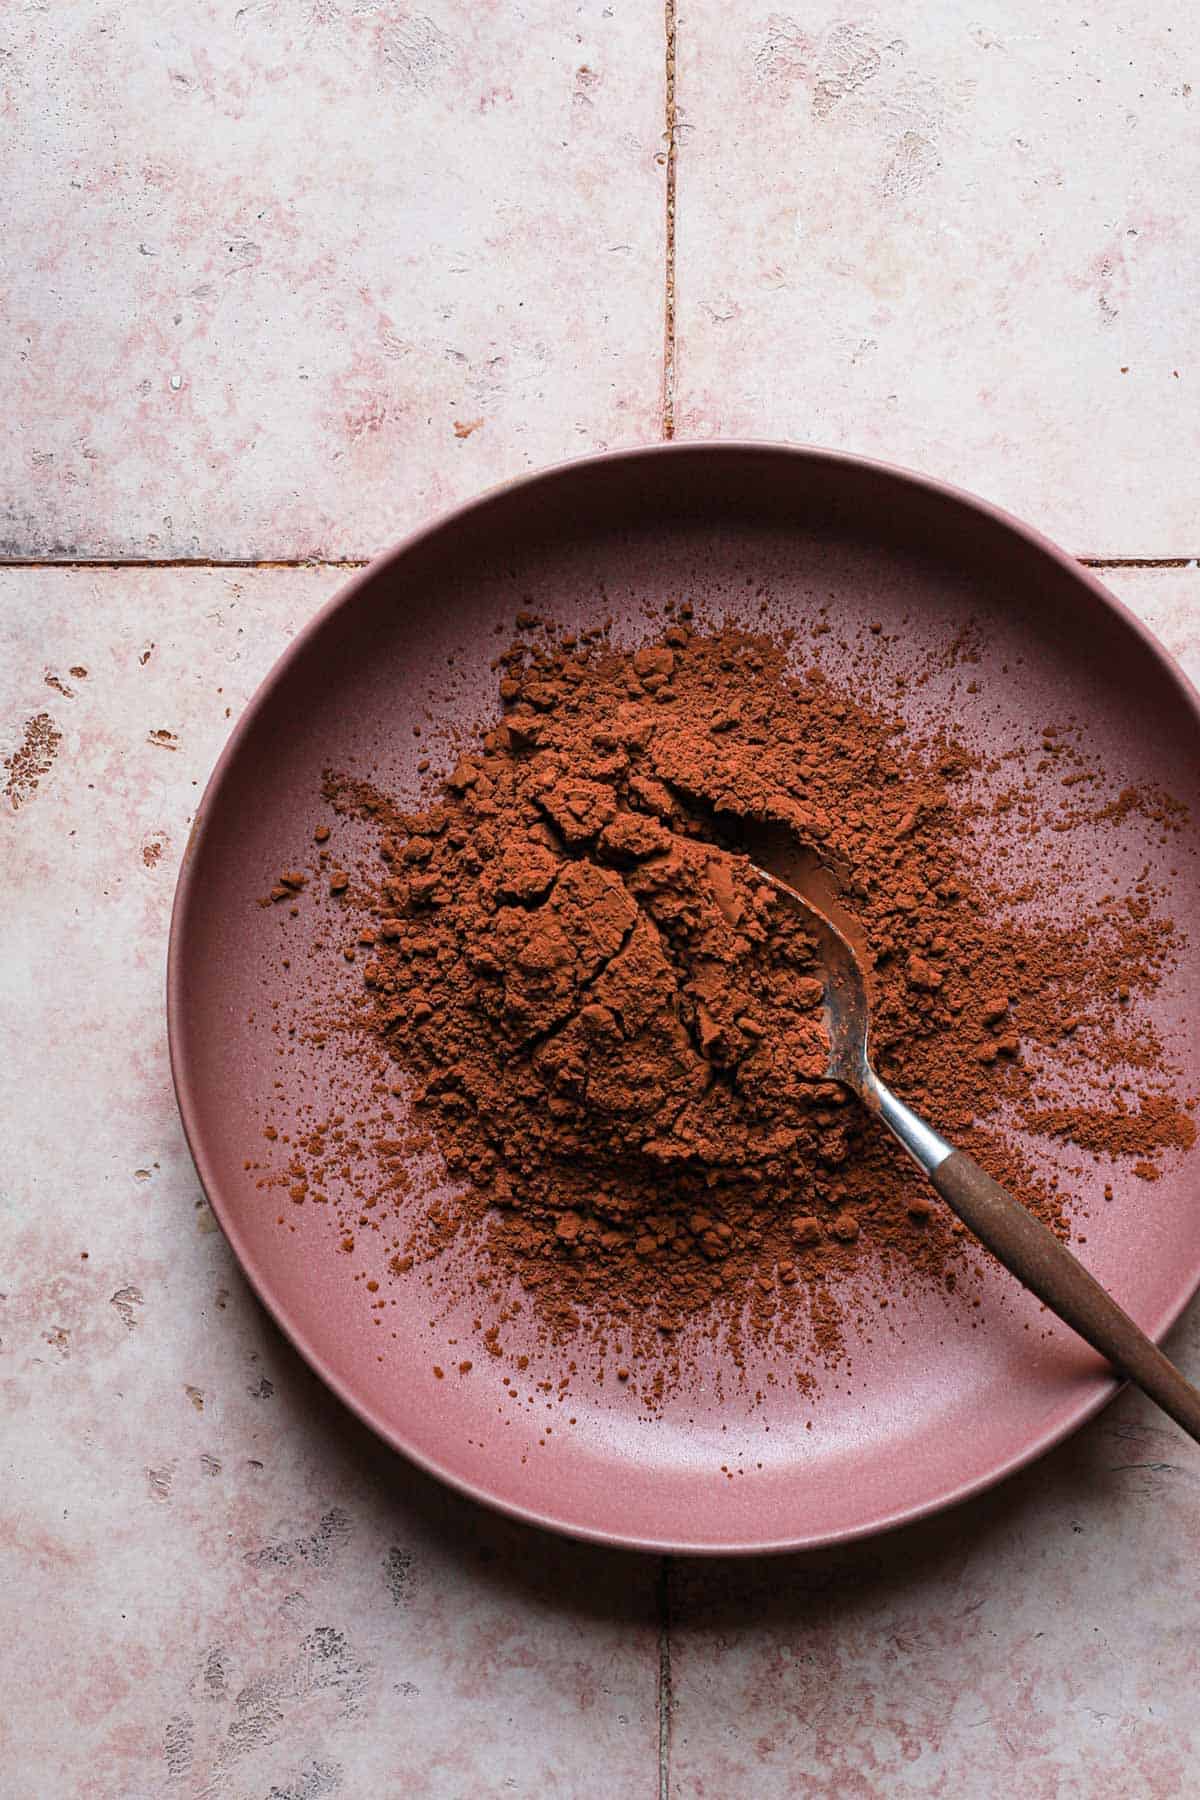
x=282 y=280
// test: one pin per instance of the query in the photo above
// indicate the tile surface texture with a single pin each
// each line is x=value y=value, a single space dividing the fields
x=232 y=1590
x=960 y=238
x=1040 y=1640
x=227 y=1587
x=284 y=278
x=296 y=274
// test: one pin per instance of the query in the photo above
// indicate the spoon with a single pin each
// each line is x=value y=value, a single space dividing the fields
x=1026 y=1247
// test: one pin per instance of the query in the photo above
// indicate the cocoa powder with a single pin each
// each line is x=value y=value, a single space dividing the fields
x=607 y=1030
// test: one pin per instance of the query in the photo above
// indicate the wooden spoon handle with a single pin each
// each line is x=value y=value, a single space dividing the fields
x=1036 y=1257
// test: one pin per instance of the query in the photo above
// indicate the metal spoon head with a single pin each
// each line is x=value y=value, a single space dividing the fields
x=846 y=1003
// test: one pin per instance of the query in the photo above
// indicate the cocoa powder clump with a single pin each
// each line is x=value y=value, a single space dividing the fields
x=609 y=1029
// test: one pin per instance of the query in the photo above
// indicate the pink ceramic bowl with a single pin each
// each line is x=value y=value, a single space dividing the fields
x=946 y=1400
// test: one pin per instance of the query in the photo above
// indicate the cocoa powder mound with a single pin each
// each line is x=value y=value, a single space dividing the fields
x=610 y=1029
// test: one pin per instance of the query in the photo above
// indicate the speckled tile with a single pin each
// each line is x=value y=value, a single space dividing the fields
x=295 y=274
x=218 y=1584
x=1040 y=1641
x=228 y=1590
x=958 y=238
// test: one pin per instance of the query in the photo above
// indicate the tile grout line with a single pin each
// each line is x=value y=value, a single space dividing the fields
x=132 y=563
x=183 y=562
x=1137 y=562
x=665 y=1691
x=668 y=381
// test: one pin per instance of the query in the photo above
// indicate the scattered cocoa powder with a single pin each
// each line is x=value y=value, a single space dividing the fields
x=33 y=758
x=1156 y=1124
x=609 y=1031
